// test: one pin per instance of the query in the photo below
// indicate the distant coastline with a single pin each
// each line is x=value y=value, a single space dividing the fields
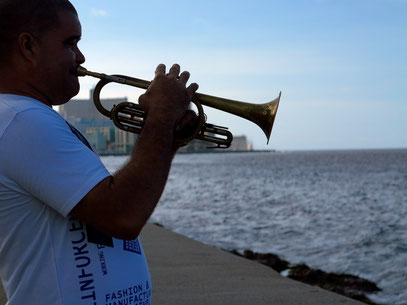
x=225 y=151
x=219 y=150
x=209 y=150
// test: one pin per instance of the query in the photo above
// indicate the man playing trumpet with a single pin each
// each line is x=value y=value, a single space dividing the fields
x=68 y=229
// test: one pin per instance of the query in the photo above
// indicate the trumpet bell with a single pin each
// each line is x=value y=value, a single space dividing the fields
x=265 y=120
x=263 y=115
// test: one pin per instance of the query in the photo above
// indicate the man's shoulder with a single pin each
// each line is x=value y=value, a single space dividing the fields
x=12 y=106
x=18 y=103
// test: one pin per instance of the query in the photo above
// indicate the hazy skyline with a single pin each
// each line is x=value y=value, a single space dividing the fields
x=341 y=65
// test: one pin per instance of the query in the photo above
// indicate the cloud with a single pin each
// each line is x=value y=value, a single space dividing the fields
x=99 y=12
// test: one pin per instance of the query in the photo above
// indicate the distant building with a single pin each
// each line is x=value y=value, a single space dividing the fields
x=239 y=143
x=100 y=131
x=85 y=108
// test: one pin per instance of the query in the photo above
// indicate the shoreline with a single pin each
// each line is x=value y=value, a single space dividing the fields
x=223 y=151
x=349 y=285
x=207 y=151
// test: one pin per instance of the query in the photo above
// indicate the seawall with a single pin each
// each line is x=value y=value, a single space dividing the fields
x=187 y=272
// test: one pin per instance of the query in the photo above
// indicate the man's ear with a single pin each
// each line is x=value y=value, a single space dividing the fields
x=28 y=46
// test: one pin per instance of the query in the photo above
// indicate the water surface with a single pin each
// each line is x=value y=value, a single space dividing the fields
x=340 y=211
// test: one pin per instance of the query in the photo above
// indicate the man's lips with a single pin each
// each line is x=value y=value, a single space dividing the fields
x=74 y=71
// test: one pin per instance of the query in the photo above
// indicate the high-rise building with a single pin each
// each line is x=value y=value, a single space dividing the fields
x=100 y=131
x=86 y=109
x=239 y=143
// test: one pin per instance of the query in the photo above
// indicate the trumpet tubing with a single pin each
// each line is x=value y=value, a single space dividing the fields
x=130 y=116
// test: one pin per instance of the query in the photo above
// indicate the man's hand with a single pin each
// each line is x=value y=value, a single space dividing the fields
x=167 y=98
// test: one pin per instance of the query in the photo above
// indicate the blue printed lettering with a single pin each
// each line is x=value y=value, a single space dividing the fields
x=84 y=274
x=82 y=260
x=133 y=295
x=76 y=225
x=90 y=296
x=85 y=284
x=85 y=261
x=81 y=240
x=79 y=250
x=102 y=262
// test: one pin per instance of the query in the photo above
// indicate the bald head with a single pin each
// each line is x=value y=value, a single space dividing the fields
x=32 y=16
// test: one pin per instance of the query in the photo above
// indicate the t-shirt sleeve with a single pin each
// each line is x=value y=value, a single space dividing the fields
x=48 y=161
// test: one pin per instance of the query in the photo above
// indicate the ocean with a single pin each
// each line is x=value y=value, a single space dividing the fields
x=339 y=211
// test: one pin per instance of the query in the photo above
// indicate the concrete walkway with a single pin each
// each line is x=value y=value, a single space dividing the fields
x=186 y=272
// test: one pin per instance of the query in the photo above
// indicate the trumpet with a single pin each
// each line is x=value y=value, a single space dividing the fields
x=130 y=116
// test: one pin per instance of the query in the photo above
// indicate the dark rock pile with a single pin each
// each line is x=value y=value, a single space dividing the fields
x=349 y=285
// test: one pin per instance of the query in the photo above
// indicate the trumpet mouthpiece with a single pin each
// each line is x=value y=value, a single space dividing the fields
x=81 y=71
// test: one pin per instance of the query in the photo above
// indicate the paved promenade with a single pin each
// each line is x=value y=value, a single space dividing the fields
x=186 y=272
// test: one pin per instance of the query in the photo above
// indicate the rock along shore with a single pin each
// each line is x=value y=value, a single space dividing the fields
x=345 y=284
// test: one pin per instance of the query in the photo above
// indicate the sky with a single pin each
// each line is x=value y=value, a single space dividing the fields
x=341 y=65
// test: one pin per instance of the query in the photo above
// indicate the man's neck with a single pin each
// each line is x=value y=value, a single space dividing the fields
x=12 y=83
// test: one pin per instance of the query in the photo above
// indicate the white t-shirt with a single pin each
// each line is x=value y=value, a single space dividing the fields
x=47 y=257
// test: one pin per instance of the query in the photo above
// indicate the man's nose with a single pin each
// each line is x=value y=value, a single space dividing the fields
x=80 y=58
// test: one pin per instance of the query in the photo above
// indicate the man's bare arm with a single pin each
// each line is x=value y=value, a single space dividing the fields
x=121 y=205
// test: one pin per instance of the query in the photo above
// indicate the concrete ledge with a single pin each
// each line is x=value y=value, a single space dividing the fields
x=186 y=272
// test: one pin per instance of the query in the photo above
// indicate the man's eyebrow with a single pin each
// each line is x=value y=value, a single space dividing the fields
x=74 y=37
